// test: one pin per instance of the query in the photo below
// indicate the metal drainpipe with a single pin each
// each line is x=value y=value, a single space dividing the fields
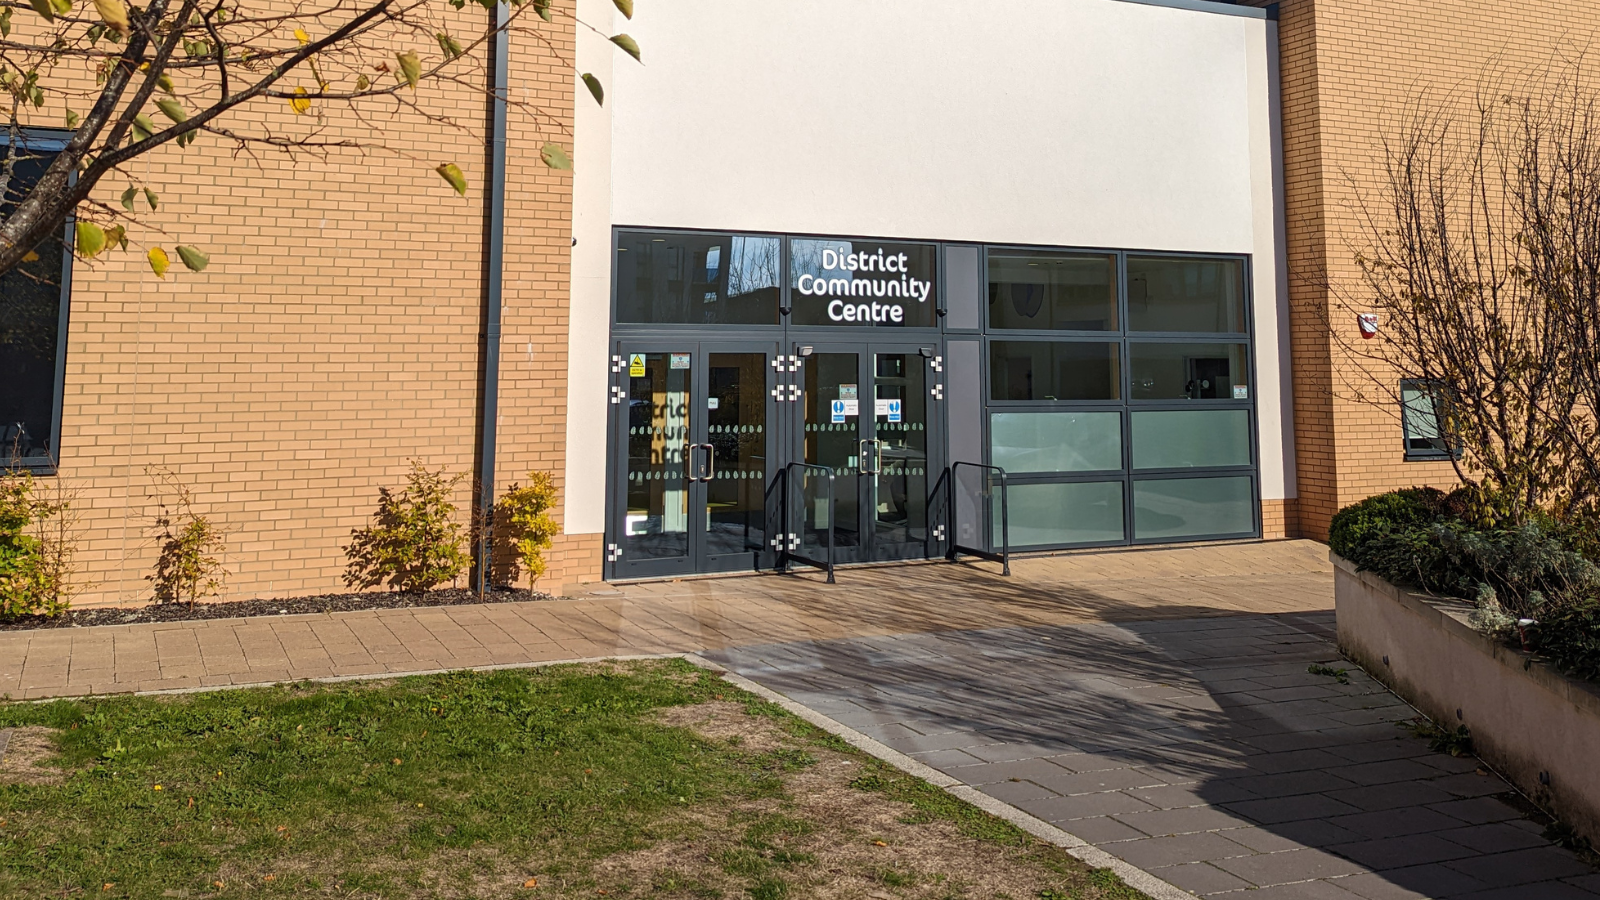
x=494 y=251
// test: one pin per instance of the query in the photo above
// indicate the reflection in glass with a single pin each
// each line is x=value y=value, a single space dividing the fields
x=1190 y=438
x=30 y=321
x=873 y=284
x=697 y=279
x=830 y=377
x=1052 y=291
x=1420 y=406
x=736 y=425
x=657 y=522
x=1175 y=294
x=1056 y=441
x=1045 y=370
x=1190 y=371
x=1073 y=513
x=1192 y=507
x=900 y=424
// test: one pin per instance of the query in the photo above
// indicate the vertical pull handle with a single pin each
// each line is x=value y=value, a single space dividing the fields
x=711 y=462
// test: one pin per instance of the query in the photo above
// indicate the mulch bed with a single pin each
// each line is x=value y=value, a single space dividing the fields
x=234 y=609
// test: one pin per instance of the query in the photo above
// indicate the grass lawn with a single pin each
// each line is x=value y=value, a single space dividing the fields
x=628 y=780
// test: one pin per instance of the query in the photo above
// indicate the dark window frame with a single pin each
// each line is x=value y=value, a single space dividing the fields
x=50 y=139
x=1450 y=449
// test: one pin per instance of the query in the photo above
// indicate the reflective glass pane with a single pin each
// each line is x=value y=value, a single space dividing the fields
x=30 y=317
x=1190 y=371
x=862 y=283
x=833 y=439
x=657 y=521
x=1056 y=442
x=736 y=429
x=900 y=426
x=1078 y=513
x=697 y=279
x=1192 y=507
x=1052 y=291
x=1174 y=294
x=1419 y=403
x=1045 y=370
x=1172 y=439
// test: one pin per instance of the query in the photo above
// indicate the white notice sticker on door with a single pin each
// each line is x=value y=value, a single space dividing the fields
x=852 y=406
x=880 y=407
x=680 y=360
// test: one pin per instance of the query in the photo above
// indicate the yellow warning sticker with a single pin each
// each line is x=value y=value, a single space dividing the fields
x=636 y=365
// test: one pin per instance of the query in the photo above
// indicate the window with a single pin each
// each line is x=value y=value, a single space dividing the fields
x=1187 y=295
x=1045 y=370
x=1168 y=371
x=33 y=320
x=1422 y=422
x=1052 y=291
x=697 y=279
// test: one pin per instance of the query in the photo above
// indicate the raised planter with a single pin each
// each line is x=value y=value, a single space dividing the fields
x=1538 y=727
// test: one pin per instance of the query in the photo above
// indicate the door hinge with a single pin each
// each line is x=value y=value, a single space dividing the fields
x=795 y=362
x=938 y=532
x=613 y=552
x=794 y=542
x=937 y=391
x=618 y=394
x=616 y=364
x=794 y=392
x=938 y=364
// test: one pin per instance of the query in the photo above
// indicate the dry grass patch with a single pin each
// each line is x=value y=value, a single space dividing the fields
x=26 y=756
x=843 y=830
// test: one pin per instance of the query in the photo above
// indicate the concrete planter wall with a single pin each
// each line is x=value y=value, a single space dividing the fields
x=1538 y=727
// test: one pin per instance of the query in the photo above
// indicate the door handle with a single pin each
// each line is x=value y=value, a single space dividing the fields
x=711 y=462
x=693 y=468
x=876 y=464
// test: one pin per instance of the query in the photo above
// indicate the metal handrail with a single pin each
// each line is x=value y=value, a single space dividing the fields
x=1004 y=556
x=797 y=539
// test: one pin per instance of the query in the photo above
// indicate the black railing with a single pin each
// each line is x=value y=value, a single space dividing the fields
x=793 y=541
x=956 y=548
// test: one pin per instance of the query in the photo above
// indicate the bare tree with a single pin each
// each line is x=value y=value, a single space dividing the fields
x=137 y=78
x=1483 y=246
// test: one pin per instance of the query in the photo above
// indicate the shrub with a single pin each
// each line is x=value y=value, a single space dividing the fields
x=188 y=543
x=414 y=543
x=524 y=528
x=1569 y=634
x=1356 y=525
x=37 y=545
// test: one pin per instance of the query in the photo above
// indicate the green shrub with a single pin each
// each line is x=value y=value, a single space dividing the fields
x=1358 y=524
x=187 y=567
x=36 y=547
x=524 y=528
x=1569 y=634
x=415 y=542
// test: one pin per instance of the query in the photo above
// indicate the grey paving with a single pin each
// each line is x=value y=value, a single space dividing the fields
x=1199 y=750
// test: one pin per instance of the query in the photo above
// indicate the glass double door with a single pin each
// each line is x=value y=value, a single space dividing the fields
x=693 y=457
x=703 y=434
x=866 y=413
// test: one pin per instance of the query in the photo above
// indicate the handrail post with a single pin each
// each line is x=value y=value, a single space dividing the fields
x=1005 y=528
x=832 y=520
x=788 y=521
x=1004 y=556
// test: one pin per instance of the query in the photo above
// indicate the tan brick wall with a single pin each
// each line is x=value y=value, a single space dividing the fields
x=1279 y=520
x=1348 y=69
x=335 y=335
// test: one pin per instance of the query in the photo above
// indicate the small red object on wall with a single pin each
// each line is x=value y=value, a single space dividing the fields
x=1369 y=325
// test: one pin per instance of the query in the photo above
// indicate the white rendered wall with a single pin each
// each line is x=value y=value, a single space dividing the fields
x=1094 y=123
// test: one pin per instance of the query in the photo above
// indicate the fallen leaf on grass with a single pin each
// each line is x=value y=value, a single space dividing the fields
x=531 y=882
x=879 y=844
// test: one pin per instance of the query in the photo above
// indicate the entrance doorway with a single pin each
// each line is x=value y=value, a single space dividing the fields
x=703 y=434
x=865 y=413
x=694 y=452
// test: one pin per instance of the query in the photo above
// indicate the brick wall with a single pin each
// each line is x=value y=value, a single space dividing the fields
x=1348 y=68
x=335 y=335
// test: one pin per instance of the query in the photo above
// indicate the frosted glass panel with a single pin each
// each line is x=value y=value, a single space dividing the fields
x=1056 y=442
x=1173 y=439
x=1079 y=513
x=1191 y=507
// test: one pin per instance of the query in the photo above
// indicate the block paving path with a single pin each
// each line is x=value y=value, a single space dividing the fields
x=1153 y=702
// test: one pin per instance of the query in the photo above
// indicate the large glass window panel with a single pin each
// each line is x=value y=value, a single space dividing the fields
x=1181 y=438
x=1055 y=291
x=1054 y=370
x=1420 y=403
x=697 y=279
x=1073 y=513
x=1192 y=507
x=1056 y=441
x=31 y=298
x=1176 y=294
x=853 y=282
x=1189 y=371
